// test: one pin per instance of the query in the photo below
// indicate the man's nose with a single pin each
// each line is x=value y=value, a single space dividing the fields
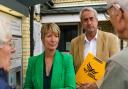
x=89 y=21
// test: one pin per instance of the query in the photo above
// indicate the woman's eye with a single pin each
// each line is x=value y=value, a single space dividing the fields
x=57 y=36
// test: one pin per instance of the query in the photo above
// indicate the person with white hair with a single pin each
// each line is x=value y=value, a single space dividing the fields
x=6 y=50
x=101 y=44
x=116 y=76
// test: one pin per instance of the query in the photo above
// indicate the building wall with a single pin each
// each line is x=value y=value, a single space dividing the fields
x=65 y=3
x=106 y=26
x=26 y=43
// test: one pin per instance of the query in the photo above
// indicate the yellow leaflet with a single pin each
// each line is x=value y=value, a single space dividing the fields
x=91 y=70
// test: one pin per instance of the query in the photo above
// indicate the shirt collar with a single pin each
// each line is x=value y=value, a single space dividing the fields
x=93 y=38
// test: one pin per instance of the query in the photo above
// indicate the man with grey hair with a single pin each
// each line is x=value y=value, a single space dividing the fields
x=101 y=44
x=6 y=51
x=116 y=76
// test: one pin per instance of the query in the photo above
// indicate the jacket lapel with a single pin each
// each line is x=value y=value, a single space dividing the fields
x=56 y=70
x=39 y=71
x=81 y=48
x=99 y=45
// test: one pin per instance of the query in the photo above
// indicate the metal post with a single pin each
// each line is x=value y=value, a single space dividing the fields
x=121 y=44
x=31 y=30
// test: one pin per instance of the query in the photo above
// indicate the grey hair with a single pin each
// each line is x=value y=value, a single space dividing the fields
x=88 y=9
x=5 y=33
x=123 y=3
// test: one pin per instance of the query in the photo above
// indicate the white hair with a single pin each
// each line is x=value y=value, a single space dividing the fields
x=123 y=3
x=5 y=33
x=88 y=9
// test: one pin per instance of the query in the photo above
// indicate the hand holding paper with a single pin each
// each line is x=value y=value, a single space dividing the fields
x=91 y=70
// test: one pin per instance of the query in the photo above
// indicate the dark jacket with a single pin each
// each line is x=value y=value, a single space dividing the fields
x=3 y=80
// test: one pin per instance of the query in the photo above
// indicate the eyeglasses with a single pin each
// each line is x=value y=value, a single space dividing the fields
x=11 y=43
x=106 y=12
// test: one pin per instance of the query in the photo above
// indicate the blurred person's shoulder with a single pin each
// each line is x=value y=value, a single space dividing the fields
x=121 y=58
x=3 y=84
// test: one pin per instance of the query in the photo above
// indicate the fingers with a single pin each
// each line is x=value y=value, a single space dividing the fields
x=83 y=86
x=88 y=86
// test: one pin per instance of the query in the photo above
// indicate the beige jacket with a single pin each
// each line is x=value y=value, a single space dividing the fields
x=107 y=45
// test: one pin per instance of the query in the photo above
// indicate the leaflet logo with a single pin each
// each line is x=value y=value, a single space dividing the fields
x=90 y=71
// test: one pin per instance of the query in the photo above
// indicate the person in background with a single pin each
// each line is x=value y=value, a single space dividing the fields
x=101 y=44
x=116 y=76
x=6 y=50
x=51 y=69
